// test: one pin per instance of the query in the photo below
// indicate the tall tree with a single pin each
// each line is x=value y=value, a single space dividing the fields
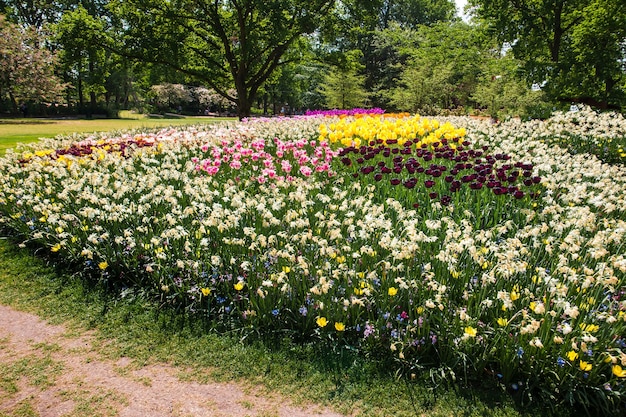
x=220 y=42
x=31 y=13
x=26 y=66
x=80 y=37
x=568 y=45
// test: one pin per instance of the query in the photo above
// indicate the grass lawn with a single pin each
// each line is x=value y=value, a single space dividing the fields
x=13 y=131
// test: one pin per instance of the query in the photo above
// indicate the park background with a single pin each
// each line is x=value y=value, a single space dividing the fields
x=525 y=58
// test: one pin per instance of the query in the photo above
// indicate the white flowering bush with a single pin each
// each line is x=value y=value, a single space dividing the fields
x=476 y=250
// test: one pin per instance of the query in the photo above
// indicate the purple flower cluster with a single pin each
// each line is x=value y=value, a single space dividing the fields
x=443 y=170
x=337 y=112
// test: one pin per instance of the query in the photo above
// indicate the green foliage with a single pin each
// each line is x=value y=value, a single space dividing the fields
x=501 y=91
x=575 y=47
x=26 y=67
x=344 y=89
x=219 y=43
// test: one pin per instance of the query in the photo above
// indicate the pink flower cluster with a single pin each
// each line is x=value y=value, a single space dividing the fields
x=276 y=160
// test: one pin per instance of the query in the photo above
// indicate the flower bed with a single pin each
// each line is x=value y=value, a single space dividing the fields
x=458 y=247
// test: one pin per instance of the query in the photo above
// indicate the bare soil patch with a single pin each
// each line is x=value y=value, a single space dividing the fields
x=46 y=372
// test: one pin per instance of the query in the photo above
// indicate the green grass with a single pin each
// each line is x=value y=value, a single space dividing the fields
x=14 y=131
x=134 y=327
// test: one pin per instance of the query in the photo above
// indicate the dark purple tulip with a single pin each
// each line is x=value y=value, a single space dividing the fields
x=395 y=150
x=355 y=175
x=346 y=161
x=536 y=180
x=367 y=170
x=410 y=183
x=429 y=183
x=392 y=141
x=518 y=194
x=385 y=170
x=397 y=169
x=476 y=185
x=433 y=195
x=446 y=200
x=395 y=181
x=378 y=177
x=416 y=205
x=528 y=182
x=360 y=160
x=449 y=178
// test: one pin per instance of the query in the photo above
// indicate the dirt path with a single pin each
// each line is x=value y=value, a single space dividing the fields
x=46 y=373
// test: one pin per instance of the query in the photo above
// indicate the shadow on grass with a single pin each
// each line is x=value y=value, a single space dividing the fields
x=26 y=122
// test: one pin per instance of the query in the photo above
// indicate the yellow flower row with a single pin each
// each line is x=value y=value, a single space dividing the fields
x=362 y=130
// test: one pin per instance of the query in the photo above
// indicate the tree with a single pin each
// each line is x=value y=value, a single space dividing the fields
x=344 y=89
x=169 y=95
x=31 y=13
x=573 y=47
x=80 y=36
x=26 y=67
x=220 y=43
x=501 y=91
x=442 y=65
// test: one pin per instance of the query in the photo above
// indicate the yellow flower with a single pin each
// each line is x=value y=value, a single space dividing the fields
x=103 y=265
x=619 y=372
x=358 y=291
x=585 y=366
x=572 y=355
x=205 y=291
x=392 y=291
x=502 y=321
x=321 y=321
x=470 y=331
x=514 y=295
x=56 y=247
x=286 y=269
x=239 y=285
x=340 y=327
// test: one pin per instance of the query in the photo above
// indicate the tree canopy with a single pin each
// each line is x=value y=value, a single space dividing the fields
x=575 y=48
x=220 y=43
x=26 y=66
x=262 y=56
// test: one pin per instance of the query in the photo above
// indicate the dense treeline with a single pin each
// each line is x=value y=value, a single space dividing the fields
x=520 y=57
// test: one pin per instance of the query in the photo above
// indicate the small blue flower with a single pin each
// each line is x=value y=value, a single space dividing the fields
x=303 y=310
x=275 y=312
x=560 y=361
x=520 y=352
